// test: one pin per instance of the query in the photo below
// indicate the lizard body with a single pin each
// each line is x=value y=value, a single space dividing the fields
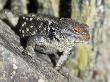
x=51 y=35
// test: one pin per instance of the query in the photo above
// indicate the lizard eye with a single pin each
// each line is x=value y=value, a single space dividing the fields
x=76 y=30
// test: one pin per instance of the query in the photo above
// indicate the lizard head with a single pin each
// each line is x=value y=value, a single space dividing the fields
x=75 y=31
x=81 y=31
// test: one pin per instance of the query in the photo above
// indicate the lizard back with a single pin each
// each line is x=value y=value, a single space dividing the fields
x=30 y=25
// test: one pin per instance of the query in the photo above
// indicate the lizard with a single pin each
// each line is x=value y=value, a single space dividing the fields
x=50 y=35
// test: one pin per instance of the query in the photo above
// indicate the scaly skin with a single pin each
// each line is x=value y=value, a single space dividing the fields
x=50 y=35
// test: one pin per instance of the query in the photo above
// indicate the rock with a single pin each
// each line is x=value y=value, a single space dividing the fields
x=12 y=66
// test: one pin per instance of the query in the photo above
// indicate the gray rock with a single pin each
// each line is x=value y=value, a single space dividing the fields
x=12 y=67
x=2 y=4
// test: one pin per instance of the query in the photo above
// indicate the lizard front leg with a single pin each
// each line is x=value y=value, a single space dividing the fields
x=63 y=58
x=30 y=46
